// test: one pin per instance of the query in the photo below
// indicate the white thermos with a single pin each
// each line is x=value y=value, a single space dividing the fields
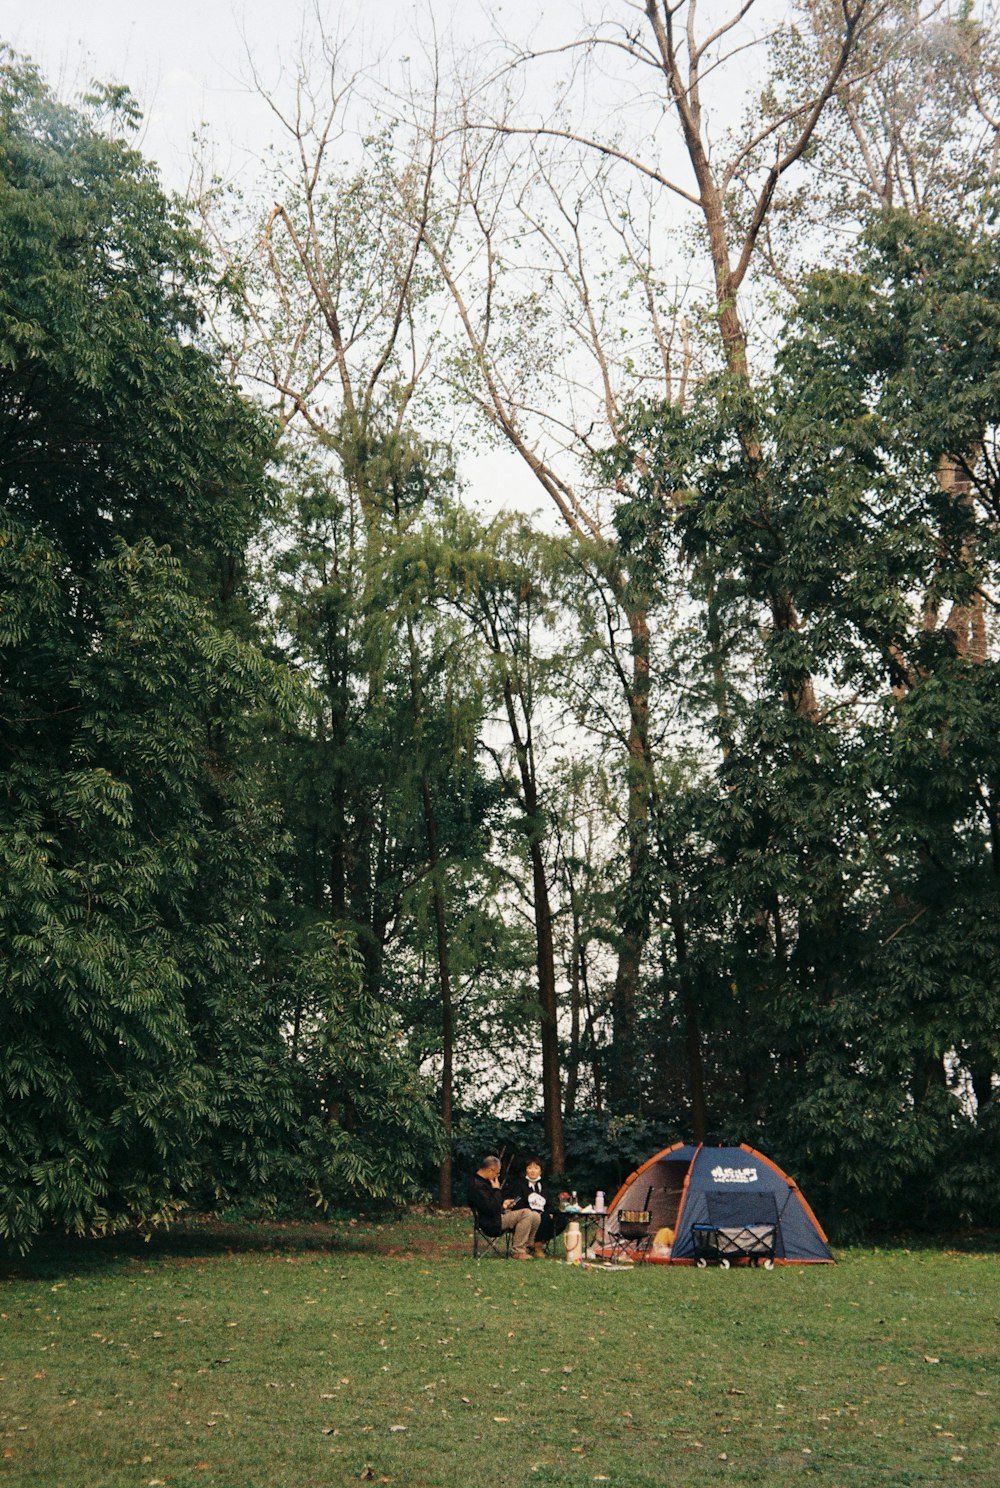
x=574 y=1243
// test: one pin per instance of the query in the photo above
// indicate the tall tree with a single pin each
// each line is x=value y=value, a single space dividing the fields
x=849 y=856
x=137 y=833
x=143 y=1000
x=593 y=209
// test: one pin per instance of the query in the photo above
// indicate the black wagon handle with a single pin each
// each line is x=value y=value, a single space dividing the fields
x=649 y=1195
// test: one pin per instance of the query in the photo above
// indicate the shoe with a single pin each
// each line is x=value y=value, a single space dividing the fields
x=521 y=1255
x=539 y=1249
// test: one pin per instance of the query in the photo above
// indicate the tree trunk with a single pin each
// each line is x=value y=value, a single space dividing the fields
x=545 y=953
x=689 y=1004
x=551 y=1094
x=445 y=1170
x=573 y=1057
x=634 y=906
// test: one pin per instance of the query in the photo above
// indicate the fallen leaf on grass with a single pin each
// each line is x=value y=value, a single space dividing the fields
x=931 y=1359
x=501 y=1419
x=399 y=1428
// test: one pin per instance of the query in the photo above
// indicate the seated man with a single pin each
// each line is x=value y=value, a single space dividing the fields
x=528 y=1194
x=496 y=1214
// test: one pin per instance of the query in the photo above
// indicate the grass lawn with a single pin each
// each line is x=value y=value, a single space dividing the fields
x=294 y=1357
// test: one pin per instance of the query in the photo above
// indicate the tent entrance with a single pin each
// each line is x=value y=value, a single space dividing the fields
x=668 y=1178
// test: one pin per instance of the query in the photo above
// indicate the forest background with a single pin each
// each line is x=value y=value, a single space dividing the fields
x=355 y=822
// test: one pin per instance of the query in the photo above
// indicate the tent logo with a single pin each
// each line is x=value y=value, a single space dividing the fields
x=734 y=1175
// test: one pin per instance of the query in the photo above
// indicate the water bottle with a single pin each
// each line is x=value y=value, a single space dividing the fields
x=599 y=1204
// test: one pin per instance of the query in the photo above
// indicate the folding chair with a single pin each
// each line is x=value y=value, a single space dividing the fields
x=634 y=1234
x=484 y=1245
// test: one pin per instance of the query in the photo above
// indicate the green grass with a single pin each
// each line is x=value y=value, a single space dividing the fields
x=288 y=1357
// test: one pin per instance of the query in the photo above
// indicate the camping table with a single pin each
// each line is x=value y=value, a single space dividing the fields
x=589 y=1224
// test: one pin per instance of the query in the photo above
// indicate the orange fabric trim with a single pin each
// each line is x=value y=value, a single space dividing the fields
x=684 y=1195
x=737 y=1261
x=633 y=1176
x=793 y=1186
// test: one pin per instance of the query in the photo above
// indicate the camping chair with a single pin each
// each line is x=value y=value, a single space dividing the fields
x=484 y=1245
x=741 y=1227
x=633 y=1235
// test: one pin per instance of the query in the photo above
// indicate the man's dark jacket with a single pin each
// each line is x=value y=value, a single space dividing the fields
x=486 y=1203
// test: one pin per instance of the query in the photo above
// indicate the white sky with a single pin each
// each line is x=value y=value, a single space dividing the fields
x=186 y=60
x=187 y=63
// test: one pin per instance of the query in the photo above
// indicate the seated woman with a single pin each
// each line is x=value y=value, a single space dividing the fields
x=527 y=1193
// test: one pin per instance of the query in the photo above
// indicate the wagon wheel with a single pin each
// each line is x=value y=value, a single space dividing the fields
x=701 y=1263
x=769 y=1264
x=724 y=1264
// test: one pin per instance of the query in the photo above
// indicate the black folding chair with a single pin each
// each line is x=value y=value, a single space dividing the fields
x=633 y=1237
x=484 y=1245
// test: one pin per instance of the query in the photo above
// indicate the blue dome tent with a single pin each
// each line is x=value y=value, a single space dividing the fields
x=729 y=1204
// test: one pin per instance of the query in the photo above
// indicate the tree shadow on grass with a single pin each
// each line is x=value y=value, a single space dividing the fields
x=404 y=1237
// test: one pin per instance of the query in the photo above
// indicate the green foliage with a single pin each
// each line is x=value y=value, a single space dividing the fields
x=601 y=1150
x=133 y=844
x=143 y=1020
x=838 y=871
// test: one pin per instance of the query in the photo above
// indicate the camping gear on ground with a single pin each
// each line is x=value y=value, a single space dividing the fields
x=725 y=1189
x=663 y=1242
x=727 y=1243
x=573 y=1241
x=739 y=1226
